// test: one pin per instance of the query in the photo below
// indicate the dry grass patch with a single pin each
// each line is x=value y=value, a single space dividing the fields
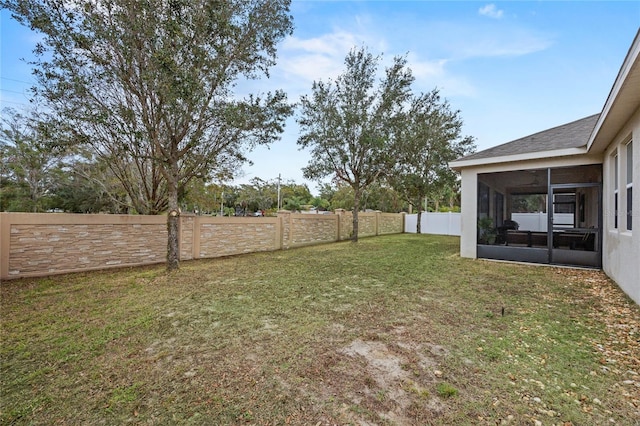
x=392 y=330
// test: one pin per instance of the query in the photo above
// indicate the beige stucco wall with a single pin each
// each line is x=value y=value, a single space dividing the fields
x=47 y=244
x=469 y=213
x=621 y=248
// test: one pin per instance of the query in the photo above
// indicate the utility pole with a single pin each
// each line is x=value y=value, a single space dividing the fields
x=278 y=191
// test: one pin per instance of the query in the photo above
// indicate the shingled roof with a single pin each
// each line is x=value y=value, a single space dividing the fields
x=571 y=135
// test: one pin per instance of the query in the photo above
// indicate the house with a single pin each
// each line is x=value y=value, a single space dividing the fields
x=563 y=196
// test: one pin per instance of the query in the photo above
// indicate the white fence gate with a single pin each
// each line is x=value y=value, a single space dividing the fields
x=434 y=223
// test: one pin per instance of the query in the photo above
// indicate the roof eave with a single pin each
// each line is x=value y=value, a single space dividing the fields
x=462 y=164
x=620 y=104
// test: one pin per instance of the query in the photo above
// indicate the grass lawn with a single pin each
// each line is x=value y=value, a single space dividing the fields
x=392 y=330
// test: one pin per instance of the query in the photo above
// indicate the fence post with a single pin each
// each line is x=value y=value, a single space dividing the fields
x=340 y=215
x=287 y=228
x=195 y=241
x=5 y=245
x=279 y=233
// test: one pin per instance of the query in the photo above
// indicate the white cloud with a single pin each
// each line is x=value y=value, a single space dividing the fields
x=328 y=44
x=485 y=40
x=302 y=61
x=491 y=11
x=433 y=74
x=426 y=69
x=316 y=58
x=515 y=42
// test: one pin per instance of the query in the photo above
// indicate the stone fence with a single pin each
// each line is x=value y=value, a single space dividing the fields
x=41 y=244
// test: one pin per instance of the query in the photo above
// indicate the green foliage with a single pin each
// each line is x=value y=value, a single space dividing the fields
x=347 y=123
x=200 y=197
x=247 y=198
x=149 y=86
x=342 y=198
x=487 y=232
x=293 y=203
x=291 y=190
x=320 y=203
x=426 y=139
x=258 y=195
x=379 y=196
x=87 y=185
x=30 y=158
x=528 y=203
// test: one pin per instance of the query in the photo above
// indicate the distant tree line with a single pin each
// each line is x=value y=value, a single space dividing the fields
x=39 y=175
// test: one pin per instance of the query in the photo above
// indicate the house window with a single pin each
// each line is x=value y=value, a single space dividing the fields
x=629 y=184
x=615 y=191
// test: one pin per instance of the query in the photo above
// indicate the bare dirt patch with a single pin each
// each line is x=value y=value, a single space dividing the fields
x=396 y=376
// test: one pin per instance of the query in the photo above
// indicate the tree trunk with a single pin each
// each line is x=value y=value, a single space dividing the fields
x=173 y=219
x=419 y=221
x=356 y=208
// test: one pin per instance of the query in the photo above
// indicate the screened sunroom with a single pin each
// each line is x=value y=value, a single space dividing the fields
x=545 y=215
x=536 y=199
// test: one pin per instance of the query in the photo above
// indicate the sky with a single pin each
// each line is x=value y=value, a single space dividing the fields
x=511 y=68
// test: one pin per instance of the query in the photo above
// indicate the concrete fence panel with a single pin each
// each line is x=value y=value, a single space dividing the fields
x=40 y=244
x=371 y=223
x=305 y=229
x=391 y=223
x=236 y=235
x=367 y=224
x=34 y=244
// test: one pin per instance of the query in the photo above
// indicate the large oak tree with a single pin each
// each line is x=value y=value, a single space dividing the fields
x=348 y=123
x=425 y=141
x=149 y=84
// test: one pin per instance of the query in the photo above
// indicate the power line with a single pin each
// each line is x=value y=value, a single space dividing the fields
x=11 y=91
x=4 y=101
x=16 y=80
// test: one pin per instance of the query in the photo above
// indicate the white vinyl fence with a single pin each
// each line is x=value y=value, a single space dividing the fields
x=434 y=223
x=538 y=221
x=449 y=223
